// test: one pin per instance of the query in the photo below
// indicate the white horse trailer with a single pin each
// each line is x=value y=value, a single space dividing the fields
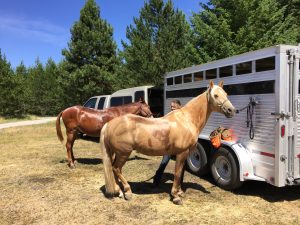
x=264 y=85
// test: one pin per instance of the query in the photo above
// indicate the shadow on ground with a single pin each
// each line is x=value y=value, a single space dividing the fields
x=147 y=187
x=268 y=192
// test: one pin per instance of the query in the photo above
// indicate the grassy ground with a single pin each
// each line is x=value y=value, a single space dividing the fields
x=37 y=187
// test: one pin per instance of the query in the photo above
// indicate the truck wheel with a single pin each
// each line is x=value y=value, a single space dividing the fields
x=197 y=161
x=224 y=169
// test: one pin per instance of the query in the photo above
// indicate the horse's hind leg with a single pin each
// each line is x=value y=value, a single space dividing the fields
x=117 y=168
x=71 y=136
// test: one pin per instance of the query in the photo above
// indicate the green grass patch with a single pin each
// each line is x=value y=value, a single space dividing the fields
x=14 y=119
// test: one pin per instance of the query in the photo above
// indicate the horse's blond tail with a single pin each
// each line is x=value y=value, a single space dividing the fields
x=58 y=128
x=110 y=182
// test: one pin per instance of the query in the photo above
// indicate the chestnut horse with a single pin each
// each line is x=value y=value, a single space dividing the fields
x=174 y=134
x=90 y=121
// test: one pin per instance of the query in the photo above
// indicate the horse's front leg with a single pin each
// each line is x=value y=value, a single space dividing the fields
x=176 y=188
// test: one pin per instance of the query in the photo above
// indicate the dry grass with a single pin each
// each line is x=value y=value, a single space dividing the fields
x=37 y=187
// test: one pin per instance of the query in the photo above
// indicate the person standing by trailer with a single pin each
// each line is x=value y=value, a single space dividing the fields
x=175 y=104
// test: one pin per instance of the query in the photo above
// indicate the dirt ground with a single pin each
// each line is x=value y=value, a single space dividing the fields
x=37 y=187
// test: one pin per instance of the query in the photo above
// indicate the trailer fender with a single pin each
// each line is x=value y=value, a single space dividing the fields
x=244 y=159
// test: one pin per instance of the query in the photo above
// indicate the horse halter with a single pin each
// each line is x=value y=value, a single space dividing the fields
x=222 y=104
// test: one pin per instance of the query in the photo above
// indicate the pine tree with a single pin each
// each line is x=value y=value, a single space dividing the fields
x=22 y=103
x=91 y=57
x=227 y=27
x=159 y=41
x=53 y=95
x=7 y=84
x=36 y=88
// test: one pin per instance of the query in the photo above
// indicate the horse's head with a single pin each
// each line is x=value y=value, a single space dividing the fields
x=144 y=109
x=219 y=101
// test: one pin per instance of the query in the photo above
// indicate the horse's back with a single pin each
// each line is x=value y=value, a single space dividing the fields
x=150 y=136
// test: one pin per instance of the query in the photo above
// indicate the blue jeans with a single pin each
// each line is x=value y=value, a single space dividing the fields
x=158 y=175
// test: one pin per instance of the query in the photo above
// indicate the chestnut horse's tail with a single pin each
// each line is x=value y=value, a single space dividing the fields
x=58 y=128
x=110 y=182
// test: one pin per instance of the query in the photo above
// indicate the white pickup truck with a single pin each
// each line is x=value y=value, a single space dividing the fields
x=154 y=96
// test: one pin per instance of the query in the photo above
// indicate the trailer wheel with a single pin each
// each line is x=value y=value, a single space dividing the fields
x=225 y=170
x=197 y=161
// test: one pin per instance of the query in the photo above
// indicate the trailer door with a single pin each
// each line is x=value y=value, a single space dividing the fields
x=294 y=120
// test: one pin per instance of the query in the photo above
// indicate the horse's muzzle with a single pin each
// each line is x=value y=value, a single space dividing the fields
x=229 y=112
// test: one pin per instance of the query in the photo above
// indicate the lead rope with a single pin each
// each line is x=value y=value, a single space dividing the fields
x=250 y=111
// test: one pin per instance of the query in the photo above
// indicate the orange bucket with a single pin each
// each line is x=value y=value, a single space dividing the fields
x=215 y=139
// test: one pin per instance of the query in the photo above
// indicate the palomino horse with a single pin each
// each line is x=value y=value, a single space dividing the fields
x=90 y=121
x=175 y=134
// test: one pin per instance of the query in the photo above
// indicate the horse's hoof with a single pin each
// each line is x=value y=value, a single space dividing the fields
x=128 y=196
x=121 y=195
x=71 y=166
x=181 y=194
x=177 y=201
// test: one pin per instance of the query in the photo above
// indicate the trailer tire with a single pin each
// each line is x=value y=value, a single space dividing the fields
x=225 y=170
x=197 y=161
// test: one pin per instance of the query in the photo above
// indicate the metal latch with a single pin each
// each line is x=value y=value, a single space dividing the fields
x=281 y=115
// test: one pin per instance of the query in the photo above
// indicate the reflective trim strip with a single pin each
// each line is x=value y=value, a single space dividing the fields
x=268 y=154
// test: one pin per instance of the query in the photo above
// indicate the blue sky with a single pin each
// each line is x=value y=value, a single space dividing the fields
x=36 y=28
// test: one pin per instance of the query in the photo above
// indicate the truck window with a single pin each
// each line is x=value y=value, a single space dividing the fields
x=127 y=99
x=116 y=101
x=90 y=103
x=101 y=103
x=138 y=95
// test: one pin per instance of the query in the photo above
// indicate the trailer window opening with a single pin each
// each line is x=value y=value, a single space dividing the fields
x=198 y=76
x=243 y=68
x=260 y=87
x=211 y=74
x=226 y=71
x=187 y=78
x=265 y=64
x=178 y=80
x=170 y=81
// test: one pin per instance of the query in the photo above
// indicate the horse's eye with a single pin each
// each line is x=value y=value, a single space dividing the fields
x=216 y=96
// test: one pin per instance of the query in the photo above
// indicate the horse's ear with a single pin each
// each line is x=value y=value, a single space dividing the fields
x=211 y=84
x=221 y=84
